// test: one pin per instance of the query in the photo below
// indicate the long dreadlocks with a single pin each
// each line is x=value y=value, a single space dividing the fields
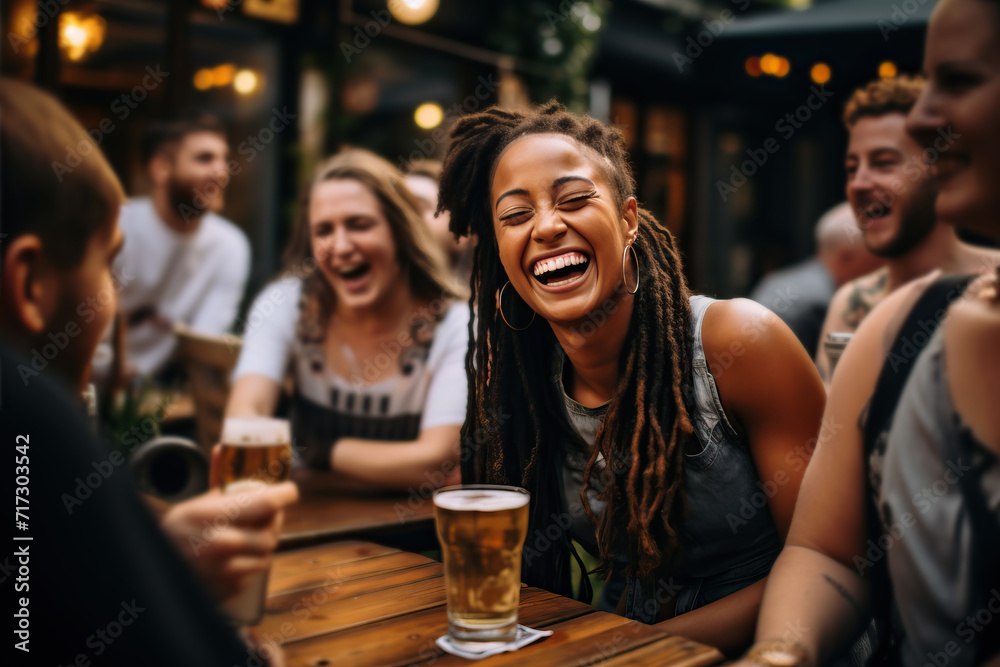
x=512 y=431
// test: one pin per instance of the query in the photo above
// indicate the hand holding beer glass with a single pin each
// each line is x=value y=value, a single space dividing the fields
x=255 y=452
x=482 y=530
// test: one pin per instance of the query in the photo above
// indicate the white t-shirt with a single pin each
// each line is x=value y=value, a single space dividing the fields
x=168 y=277
x=430 y=390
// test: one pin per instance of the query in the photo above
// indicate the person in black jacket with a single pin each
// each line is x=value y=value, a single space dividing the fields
x=89 y=576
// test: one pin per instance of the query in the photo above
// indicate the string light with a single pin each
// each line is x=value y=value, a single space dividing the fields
x=428 y=115
x=412 y=12
x=820 y=73
x=245 y=81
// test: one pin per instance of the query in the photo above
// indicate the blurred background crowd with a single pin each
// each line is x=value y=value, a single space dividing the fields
x=699 y=88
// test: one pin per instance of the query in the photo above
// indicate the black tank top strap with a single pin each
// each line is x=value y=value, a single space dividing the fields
x=917 y=330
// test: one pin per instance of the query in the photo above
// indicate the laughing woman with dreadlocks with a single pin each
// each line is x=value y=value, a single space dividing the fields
x=666 y=433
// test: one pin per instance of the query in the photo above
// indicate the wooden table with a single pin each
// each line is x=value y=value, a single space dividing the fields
x=357 y=603
x=325 y=513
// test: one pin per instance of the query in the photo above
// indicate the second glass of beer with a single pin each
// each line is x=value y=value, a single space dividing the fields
x=482 y=530
x=256 y=451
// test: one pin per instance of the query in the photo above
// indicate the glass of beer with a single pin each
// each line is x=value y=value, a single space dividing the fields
x=482 y=529
x=834 y=344
x=256 y=451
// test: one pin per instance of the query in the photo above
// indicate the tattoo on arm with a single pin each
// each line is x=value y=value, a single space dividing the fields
x=844 y=594
x=862 y=299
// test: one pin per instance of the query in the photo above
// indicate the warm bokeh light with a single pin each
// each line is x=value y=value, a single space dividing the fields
x=412 y=12
x=203 y=79
x=752 y=66
x=223 y=75
x=800 y=4
x=80 y=34
x=24 y=39
x=769 y=63
x=887 y=70
x=428 y=115
x=245 y=82
x=74 y=36
x=783 y=67
x=820 y=73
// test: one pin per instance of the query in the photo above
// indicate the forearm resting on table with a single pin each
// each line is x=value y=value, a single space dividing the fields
x=726 y=624
x=814 y=600
x=433 y=457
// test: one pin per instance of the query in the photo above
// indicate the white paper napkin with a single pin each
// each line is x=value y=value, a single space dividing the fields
x=480 y=650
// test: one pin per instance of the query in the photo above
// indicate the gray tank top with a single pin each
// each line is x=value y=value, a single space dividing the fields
x=728 y=539
x=937 y=613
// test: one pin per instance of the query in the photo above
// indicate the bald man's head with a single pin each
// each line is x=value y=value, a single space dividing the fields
x=839 y=245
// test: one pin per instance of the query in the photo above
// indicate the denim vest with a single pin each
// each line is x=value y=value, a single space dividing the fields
x=727 y=540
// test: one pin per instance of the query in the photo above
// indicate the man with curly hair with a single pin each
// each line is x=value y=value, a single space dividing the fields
x=891 y=189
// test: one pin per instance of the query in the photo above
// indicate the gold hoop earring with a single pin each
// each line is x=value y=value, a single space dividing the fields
x=636 y=258
x=500 y=306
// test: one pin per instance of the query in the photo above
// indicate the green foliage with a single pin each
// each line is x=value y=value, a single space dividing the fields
x=561 y=35
x=133 y=416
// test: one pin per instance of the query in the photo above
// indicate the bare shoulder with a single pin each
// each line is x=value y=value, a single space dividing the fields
x=972 y=354
x=753 y=355
x=734 y=325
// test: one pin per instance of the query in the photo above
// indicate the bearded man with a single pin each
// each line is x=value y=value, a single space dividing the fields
x=182 y=262
x=891 y=189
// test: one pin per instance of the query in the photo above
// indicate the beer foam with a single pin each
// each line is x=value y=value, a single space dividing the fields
x=256 y=431
x=246 y=486
x=481 y=500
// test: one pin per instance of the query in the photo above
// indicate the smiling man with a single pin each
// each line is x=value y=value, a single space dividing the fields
x=181 y=262
x=892 y=190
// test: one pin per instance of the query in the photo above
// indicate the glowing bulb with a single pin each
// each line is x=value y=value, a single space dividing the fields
x=412 y=12
x=887 y=70
x=223 y=75
x=75 y=36
x=820 y=73
x=783 y=68
x=428 y=115
x=203 y=79
x=769 y=63
x=245 y=82
x=752 y=66
x=80 y=34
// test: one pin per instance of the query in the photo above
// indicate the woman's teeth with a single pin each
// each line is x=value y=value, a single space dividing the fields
x=565 y=268
x=562 y=261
